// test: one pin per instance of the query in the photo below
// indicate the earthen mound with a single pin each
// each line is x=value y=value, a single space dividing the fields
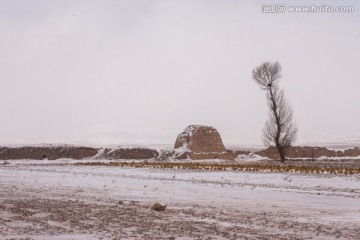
x=202 y=142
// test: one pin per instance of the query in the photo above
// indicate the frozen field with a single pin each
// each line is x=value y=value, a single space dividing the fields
x=63 y=201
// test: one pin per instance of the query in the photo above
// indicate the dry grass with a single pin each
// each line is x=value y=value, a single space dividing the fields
x=271 y=166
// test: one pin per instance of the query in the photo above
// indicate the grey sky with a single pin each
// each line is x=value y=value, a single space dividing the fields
x=141 y=71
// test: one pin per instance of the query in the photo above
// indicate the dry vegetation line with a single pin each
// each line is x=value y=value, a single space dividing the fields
x=272 y=166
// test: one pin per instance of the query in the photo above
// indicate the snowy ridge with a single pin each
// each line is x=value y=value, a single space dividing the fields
x=251 y=157
x=42 y=145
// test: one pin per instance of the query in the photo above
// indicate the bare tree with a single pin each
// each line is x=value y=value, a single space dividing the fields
x=279 y=130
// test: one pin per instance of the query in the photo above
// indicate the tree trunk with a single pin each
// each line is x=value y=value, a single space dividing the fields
x=281 y=153
x=279 y=147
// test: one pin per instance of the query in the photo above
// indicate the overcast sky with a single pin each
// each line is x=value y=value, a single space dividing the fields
x=141 y=71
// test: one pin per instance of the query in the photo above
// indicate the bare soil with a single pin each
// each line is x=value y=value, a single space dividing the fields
x=46 y=218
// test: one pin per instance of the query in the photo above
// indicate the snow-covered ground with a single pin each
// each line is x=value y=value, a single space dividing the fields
x=82 y=202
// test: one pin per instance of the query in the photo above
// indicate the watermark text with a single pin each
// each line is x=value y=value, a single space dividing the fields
x=282 y=8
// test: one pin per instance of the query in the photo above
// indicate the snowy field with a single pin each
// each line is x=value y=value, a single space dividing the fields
x=39 y=200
